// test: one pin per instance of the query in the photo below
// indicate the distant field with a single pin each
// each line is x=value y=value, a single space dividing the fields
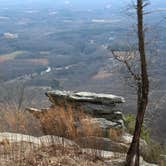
x=10 y=56
x=102 y=75
x=39 y=61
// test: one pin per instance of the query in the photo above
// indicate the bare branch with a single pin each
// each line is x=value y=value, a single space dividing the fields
x=147 y=3
x=125 y=62
x=154 y=11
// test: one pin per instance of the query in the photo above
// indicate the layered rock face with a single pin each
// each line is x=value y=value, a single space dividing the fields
x=96 y=98
x=97 y=104
x=102 y=107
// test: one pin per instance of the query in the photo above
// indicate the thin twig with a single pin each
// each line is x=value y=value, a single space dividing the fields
x=134 y=75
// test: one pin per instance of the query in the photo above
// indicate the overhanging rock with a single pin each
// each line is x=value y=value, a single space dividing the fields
x=85 y=97
x=97 y=104
x=102 y=108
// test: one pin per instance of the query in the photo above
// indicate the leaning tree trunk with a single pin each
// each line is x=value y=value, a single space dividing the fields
x=132 y=158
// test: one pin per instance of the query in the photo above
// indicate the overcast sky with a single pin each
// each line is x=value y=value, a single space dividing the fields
x=79 y=3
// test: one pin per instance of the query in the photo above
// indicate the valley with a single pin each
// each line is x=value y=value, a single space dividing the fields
x=67 y=48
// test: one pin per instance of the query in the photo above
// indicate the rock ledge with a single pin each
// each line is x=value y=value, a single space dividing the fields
x=96 y=98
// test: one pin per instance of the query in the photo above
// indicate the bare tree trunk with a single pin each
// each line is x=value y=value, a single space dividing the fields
x=132 y=158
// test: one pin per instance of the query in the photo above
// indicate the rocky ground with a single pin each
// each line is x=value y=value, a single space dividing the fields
x=79 y=128
x=18 y=149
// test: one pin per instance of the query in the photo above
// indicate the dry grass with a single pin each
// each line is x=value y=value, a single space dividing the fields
x=60 y=121
x=24 y=154
x=89 y=129
x=65 y=122
x=115 y=134
x=14 y=120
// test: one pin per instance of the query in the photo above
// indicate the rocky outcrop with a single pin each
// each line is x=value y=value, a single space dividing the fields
x=101 y=132
x=97 y=104
x=102 y=107
x=97 y=98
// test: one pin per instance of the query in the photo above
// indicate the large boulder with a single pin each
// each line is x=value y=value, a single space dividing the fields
x=97 y=104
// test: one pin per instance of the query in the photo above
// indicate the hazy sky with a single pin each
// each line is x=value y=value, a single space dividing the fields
x=79 y=3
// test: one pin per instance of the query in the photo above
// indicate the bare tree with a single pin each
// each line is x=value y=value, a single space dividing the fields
x=142 y=82
x=142 y=92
